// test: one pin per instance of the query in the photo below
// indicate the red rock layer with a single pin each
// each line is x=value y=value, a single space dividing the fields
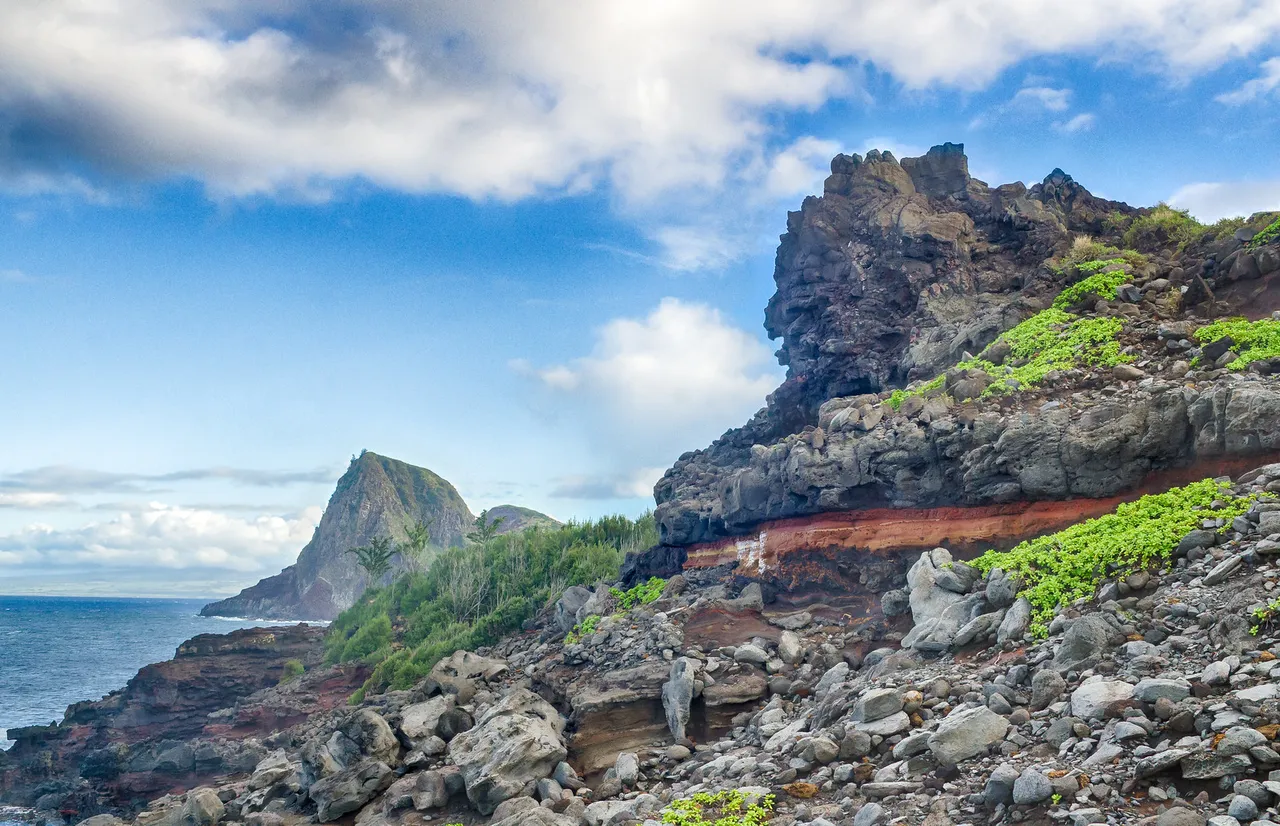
x=781 y=550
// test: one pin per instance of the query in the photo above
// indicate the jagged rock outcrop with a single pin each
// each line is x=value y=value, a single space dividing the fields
x=377 y=496
x=897 y=273
x=177 y=723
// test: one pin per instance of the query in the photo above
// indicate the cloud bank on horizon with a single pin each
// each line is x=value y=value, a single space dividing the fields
x=693 y=124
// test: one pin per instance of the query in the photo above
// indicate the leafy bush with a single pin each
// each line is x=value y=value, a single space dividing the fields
x=291 y=669
x=1254 y=340
x=1161 y=226
x=642 y=594
x=583 y=629
x=1269 y=234
x=1224 y=227
x=727 y=808
x=1086 y=252
x=473 y=596
x=1101 y=284
x=1067 y=565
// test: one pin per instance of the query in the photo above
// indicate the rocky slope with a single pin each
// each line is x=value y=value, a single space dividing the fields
x=901 y=271
x=1155 y=700
x=377 y=496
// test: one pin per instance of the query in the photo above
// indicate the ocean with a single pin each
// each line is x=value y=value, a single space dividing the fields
x=55 y=651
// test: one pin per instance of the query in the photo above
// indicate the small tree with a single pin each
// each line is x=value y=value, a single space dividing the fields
x=414 y=550
x=485 y=529
x=375 y=557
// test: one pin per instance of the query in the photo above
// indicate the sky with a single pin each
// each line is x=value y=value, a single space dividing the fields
x=525 y=244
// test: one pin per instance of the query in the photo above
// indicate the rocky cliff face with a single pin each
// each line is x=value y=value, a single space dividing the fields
x=377 y=496
x=899 y=272
x=176 y=724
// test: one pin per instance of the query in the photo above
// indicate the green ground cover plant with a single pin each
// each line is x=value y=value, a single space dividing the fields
x=1254 y=340
x=583 y=629
x=1105 y=278
x=473 y=595
x=1269 y=234
x=642 y=594
x=1065 y=566
x=727 y=808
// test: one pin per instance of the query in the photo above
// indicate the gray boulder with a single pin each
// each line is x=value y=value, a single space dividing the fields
x=567 y=607
x=518 y=740
x=350 y=789
x=967 y=733
x=1084 y=643
x=677 y=696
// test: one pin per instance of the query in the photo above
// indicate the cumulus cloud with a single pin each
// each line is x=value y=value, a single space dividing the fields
x=1264 y=84
x=512 y=97
x=66 y=479
x=1209 y=201
x=160 y=536
x=653 y=386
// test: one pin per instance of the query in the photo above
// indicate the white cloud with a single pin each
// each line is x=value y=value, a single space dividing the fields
x=165 y=537
x=1046 y=97
x=1079 y=123
x=1260 y=86
x=1209 y=201
x=653 y=386
x=636 y=484
x=15 y=277
x=801 y=168
x=33 y=501
x=512 y=97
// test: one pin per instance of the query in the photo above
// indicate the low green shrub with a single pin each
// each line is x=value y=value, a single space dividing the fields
x=1161 y=226
x=727 y=808
x=1050 y=340
x=583 y=629
x=1254 y=340
x=642 y=594
x=1269 y=234
x=292 y=669
x=1065 y=566
x=1224 y=227
x=1102 y=283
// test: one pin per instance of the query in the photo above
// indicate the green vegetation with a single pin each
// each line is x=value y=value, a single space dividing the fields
x=642 y=594
x=583 y=629
x=1051 y=340
x=897 y=397
x=1269 y=234
x=727 y=808
x=1102 y=283
x=1093 y=255
x=485 y=528
x=1161 y=226
x=375 y=557
x=291 y=669
x=1065 y=566
x=1254 y=340
x=416 y=548
x=1265 y=616
x=1224 y=227
x=472 y=596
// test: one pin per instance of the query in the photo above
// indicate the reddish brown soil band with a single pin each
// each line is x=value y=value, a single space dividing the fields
x=965 y=530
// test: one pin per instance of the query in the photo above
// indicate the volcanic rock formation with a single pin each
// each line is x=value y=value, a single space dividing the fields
x=899 y=272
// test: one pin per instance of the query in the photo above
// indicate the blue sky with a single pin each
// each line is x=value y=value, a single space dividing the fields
x=527 y=245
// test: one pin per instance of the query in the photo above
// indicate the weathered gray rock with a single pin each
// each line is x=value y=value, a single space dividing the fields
x=350 y=789
x=1090 y=700
x=677 y=696
x=1150 y=690
x=1032 y=787
x=516 y=741
x=419 y=721
x=967 y=733
x=203 y=807
x=1047 y=686
x=568 y=606
x=1015 y=623
x=1085 y=641
x=1180 y=816
x=875 y=704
